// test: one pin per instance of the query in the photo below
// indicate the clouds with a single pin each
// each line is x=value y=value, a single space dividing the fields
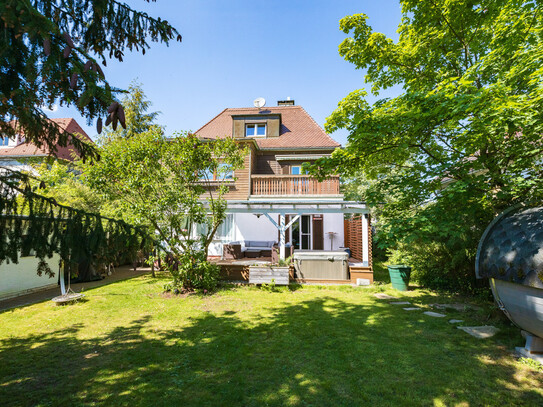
x=52 y=109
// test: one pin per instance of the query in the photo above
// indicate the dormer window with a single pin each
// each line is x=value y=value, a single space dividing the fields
x=255 y=130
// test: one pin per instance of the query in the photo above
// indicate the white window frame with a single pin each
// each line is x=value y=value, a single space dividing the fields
x=256 y=125
x=300 y=233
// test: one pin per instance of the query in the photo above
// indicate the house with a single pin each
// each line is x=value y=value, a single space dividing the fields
x=272 y=200
x=18 y=155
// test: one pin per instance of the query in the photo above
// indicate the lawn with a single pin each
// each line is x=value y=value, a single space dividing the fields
x=128 y=345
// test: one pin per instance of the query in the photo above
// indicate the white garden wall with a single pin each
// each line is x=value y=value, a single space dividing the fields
x=21 y=278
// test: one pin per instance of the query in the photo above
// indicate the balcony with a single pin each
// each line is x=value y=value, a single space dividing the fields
x=279 y=185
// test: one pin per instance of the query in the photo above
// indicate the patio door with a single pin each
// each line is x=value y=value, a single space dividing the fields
x=300 y=233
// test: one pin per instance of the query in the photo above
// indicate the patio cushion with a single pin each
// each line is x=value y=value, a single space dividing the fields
x=259 y=243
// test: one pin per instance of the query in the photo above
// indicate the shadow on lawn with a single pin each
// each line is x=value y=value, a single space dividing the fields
x=318 y=352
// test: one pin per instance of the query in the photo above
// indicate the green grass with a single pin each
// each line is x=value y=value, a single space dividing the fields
x=307 y=346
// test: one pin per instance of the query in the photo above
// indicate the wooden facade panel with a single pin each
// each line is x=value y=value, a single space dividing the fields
x=266 y=164
x=366 y=273
x=242 y=187
x=353 y=236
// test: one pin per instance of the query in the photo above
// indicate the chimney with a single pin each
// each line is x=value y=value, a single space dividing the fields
x=287 y=102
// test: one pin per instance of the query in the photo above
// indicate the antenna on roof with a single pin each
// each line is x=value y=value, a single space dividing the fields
x=259 y=102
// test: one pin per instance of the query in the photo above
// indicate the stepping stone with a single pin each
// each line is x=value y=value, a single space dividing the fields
x=455 y=321
x=383 y=296
x=455 y=306
x=434 y=314
x=480 y=332
x=411 y=308
x=400 y=303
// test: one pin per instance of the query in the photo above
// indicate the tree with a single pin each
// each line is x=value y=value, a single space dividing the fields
x=61 y=181
x=172 y=185
x=138 y=119
x=463 y=140
x=51 y=51
x=33 y=222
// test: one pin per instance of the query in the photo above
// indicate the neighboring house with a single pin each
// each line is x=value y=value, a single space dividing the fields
x=18 y=155
x=271 y=198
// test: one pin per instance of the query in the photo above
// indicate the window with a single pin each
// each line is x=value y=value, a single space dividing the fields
x=297 y=170
x=4 y=141
x=225 y=172
x=255 y=130
x=226 y=230
x=207 y=175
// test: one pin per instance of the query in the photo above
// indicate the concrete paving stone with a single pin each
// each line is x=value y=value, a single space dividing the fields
x=480 y=332
x=400 y=303
x=455 y=321
x=455 y=306
x=383 y=296
x=434 y=314
x=411 y=308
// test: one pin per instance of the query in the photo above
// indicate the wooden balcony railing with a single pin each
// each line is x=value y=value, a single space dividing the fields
x=293 y=185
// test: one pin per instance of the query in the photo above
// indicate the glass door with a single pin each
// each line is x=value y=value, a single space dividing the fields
x=300 y=233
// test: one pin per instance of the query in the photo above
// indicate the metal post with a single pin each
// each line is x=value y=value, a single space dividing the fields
x=365 y=241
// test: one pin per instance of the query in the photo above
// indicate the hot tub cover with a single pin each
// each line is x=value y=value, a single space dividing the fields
x=511 y=248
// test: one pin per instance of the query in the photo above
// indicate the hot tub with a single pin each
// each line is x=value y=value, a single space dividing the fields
x=321 y=265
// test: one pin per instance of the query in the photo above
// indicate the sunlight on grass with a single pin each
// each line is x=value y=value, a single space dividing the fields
x=127 y=344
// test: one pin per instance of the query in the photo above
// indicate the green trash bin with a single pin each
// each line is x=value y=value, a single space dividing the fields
x=399 y=276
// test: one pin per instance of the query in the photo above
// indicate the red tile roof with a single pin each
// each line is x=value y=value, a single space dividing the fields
x=298 y=129
x=31 y=150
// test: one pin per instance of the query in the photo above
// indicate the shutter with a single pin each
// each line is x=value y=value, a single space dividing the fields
x=318 y=235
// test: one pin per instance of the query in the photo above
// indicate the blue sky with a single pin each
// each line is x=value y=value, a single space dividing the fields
x=235 y=51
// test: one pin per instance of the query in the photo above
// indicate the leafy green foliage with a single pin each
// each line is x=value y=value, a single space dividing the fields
x=32 y=222
x=62 y=181
x=165 y=183
x=50 y=52
x=463 y=140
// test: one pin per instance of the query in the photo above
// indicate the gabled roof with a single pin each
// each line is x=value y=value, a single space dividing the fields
x=298 y=129
x=27 y=150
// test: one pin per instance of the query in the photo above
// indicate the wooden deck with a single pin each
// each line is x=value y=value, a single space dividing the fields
x=238 y=270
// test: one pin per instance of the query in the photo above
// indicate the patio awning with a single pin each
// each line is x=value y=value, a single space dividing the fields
x=301 y=207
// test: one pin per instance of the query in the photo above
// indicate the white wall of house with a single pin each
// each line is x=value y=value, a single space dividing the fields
x=249 y=227
x=21 y=278
x=15 y=165
x=333 y=222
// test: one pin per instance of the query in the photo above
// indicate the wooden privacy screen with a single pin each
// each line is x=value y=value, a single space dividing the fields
x=353 y=237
